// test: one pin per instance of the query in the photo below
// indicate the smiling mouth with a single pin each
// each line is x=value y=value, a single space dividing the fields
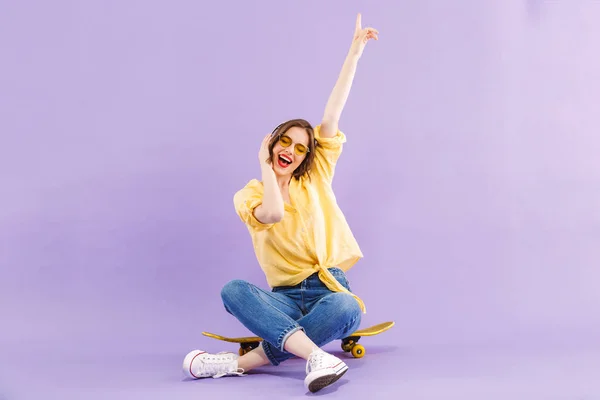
x=284 y=161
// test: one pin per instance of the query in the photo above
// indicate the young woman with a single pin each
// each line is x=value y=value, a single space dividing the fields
x=303 y=245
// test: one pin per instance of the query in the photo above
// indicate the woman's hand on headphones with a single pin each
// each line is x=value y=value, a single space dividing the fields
x=263 y=154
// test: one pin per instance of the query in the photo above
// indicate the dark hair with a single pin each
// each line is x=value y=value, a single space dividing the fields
x=305 y=166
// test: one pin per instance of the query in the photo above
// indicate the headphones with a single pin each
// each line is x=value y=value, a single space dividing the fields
x=276 y=128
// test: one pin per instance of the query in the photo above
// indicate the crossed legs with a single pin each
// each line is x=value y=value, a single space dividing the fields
x=280 y=321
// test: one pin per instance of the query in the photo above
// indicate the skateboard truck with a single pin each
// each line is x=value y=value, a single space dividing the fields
x=350 y=345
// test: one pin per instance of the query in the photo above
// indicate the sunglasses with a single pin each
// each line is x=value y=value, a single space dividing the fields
x=299 y=148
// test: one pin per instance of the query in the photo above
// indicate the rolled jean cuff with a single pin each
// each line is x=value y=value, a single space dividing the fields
x=281 y=343
x=286 y=334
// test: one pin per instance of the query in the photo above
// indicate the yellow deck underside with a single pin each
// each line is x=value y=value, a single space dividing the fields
x=370 y=331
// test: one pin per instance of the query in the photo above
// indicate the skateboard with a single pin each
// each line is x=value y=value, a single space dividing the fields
x=349 y=344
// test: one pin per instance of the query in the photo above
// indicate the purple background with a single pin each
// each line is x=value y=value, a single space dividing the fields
x=471 y=179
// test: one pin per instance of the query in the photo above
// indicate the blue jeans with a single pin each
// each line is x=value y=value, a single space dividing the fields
x=309 y=306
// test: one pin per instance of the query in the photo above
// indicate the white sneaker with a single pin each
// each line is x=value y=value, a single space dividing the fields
x=200 y=364
x=322 y=370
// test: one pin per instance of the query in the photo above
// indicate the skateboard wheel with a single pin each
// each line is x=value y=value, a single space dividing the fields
x=358 y=351
x=241 y=351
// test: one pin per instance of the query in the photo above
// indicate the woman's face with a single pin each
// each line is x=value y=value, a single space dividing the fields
x=290 y=150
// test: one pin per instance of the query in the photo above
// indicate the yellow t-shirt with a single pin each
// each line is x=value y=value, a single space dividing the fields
x=313 y=234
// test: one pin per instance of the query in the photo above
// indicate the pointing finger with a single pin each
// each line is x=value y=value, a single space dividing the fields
x=358 y=22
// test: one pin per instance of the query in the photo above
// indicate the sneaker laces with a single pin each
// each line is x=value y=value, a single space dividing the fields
x=315 y=360
x=222 y=364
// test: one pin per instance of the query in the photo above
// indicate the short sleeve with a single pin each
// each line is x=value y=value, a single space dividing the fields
x=327 y=153
x=246 y=200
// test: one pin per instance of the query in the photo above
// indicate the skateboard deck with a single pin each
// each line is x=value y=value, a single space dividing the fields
x=349 y=344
